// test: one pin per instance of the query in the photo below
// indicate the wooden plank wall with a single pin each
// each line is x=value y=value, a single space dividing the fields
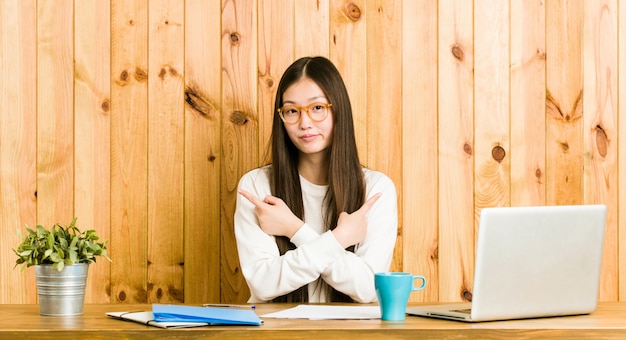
x=138 y=117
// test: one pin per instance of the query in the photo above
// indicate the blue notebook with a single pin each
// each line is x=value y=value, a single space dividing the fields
x=211 y=315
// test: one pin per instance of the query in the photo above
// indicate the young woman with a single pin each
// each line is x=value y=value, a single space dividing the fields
x=314 y=225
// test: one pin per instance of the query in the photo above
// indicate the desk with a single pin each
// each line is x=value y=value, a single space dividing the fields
x=24 y=322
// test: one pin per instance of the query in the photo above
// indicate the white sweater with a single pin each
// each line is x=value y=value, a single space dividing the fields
x=318 y=254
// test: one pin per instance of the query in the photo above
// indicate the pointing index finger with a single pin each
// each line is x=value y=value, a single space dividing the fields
x=253 y=199
x=369 y=203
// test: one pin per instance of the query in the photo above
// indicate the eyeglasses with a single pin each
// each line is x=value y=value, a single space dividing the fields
x=291 y=114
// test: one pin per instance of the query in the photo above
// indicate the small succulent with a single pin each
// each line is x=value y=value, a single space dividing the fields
x=59 y=246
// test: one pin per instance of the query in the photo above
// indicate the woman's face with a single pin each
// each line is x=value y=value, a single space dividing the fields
x=310 y=137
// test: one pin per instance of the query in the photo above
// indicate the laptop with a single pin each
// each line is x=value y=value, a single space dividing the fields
x=532 y=262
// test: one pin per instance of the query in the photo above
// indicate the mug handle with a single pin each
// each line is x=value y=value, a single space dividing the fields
x=423 y=282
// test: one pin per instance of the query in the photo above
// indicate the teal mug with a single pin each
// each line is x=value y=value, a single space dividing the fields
x=393 y=290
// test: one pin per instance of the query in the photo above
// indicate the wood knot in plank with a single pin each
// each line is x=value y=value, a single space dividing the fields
x=238 y=117
x=267 y=79
x=124 y=75
x=196 y=101
x=211 y=158
x=538 y=173
x=353 y=11
x=602 y=141
x=159 y=293
x=467 y=295
x=498 y=153
x=141 y=75
x=121 y=296
x=554 y=108
x=458 y=53
x=167 y=69
x=106 y=105
x=541 y=54
x=175 y=294
x=141 y=295
x=173 y=23
x=467 y=149
x=122 y=80
x=235 y=38
x=434 y=254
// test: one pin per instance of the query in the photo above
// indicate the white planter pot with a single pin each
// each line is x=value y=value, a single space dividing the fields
x=61 y=293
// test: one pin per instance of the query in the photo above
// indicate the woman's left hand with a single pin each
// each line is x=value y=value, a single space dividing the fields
x=352 y=228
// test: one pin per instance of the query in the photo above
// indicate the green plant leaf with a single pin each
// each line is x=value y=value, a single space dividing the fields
x=55 y=257
x=25 y=253
x=73 y=256
x=74 y=242
x=47 y=253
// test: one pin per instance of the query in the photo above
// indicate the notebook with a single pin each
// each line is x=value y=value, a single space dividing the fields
x=532 y=262
x=147 y=318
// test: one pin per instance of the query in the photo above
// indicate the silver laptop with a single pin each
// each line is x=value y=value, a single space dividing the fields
x=532 y=262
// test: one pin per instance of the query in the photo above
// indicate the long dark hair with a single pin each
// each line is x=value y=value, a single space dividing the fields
x=345 y=176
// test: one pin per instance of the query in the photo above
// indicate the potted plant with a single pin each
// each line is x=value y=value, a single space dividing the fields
x=61 y=256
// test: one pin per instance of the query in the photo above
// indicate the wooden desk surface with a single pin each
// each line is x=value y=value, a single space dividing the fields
x=24 y=322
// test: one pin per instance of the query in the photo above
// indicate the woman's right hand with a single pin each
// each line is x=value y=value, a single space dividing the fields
x=275 y=217
x=352 y=228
